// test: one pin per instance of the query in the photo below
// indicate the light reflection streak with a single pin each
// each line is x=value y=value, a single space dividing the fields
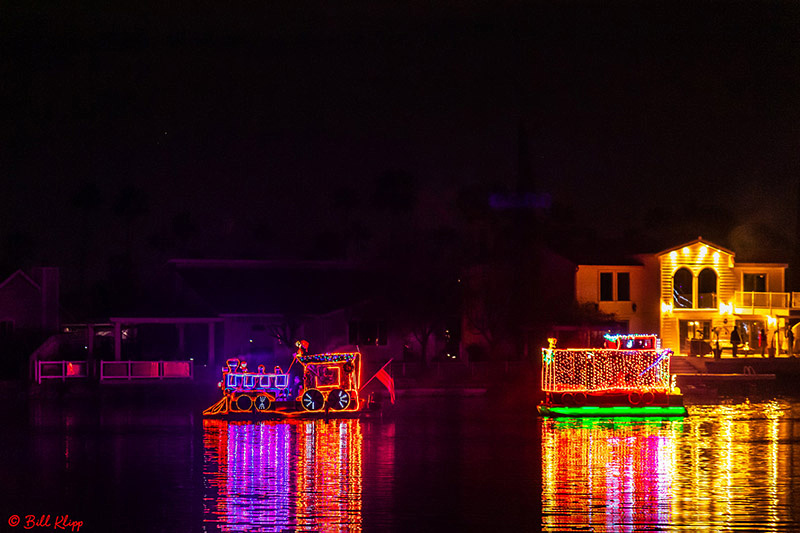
x=274 y=476
x=722 y=468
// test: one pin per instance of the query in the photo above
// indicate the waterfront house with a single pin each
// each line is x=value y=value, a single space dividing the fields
x=693 y=295
x=30 y=303
x=29 y=313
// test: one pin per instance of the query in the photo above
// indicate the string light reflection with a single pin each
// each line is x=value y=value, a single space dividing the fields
x=714 y=470
x=279 y=476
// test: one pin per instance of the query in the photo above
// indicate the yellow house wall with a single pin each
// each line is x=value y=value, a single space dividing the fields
x=651 y=285
x=727 y=283
x=775 y=275
x=640 y=311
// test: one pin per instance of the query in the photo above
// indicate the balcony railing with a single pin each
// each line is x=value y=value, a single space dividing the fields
x=764 y=300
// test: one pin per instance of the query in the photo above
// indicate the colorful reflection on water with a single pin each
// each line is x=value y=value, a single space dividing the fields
x=724 y=468
x=276 y=476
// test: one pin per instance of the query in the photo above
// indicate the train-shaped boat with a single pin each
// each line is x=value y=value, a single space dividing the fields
x=328 y=384
x=629 y=376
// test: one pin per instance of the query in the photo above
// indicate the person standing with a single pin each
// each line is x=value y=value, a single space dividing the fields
x=789 y=341
x=735 y=340
x=762 y=341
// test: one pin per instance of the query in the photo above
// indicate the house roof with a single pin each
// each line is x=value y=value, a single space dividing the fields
x=24 y=276
x=698 y=240
x=266 y=287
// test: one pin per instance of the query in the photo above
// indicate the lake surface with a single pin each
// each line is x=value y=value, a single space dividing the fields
x=431 y=464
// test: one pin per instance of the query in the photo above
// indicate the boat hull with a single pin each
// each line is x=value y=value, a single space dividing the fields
x=658 y=411
x=294 y=415
x=287 y=410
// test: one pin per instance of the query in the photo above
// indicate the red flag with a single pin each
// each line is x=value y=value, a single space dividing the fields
x=384 y=377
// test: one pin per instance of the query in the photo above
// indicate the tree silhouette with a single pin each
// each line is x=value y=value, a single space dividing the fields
x=130 y=204
x=395 y=192
x=88 y=200
x=422 y=292
x=355 y=234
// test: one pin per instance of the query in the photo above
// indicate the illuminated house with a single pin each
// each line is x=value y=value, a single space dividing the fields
x=692 y=295
x=704 y=292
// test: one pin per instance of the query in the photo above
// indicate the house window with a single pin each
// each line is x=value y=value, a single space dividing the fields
x=748 y=332
x=367 y=332
x=606 y=286
x=707 y=289
x=6 y=329
x=623 y=286
x=754 y=282
x=622 y=289
x=695 y=336
x=682 y=289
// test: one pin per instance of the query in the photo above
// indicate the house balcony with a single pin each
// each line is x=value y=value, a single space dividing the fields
x=765 y=303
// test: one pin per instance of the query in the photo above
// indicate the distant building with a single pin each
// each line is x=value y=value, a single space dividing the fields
x=211 y=310
x=29 y=304
x=692 y=295
x=486 y=294
x=29 y=314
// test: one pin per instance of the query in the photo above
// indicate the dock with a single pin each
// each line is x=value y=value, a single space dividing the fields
x=729 y=372
x=719 y=378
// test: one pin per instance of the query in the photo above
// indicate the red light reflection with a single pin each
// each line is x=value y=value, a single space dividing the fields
x=605 y=475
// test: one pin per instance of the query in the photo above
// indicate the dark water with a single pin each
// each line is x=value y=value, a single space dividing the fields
x=433 y=464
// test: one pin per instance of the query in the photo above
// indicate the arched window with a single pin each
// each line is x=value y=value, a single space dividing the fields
x=682 y=289
x=707 y=289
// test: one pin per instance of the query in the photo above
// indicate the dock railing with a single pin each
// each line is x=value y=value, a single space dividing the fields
x=130 y=370
x=460 y=371
x=62 y=370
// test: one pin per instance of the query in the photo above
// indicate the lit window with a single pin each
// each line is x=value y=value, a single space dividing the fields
x=682 y=289
x=707 y=289
x=754 y=283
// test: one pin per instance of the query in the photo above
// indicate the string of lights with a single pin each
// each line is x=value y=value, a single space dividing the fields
x=592 y=370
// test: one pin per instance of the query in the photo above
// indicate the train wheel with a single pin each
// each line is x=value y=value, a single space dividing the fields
x=339 y=399
x=244 y=403
x=263 y=403
x=312 y=400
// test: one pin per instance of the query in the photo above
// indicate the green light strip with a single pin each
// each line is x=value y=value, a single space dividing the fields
x=672 y=410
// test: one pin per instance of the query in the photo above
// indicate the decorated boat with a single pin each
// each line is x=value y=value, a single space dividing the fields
x=629 y=376
x=326 y=384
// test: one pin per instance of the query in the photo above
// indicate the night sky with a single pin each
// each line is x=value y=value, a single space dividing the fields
x=230 y=129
